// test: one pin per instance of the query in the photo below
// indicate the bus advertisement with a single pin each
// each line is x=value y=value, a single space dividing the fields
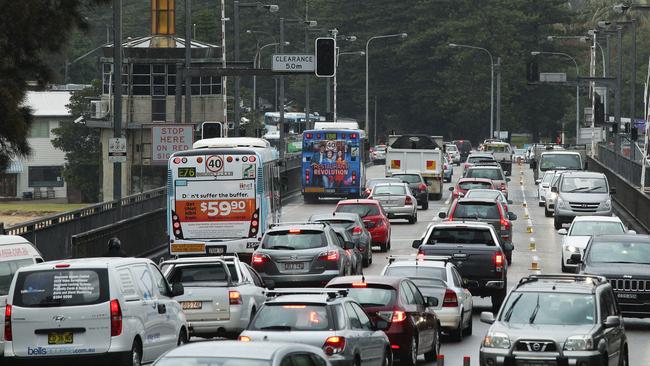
x=332 y=163
x=221 y=196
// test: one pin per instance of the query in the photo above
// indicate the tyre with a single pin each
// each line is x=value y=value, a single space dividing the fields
x=134 y=358
x=557 y=223
x=541 y=204
x=389 y=244
x=411 y=220
x=457 y=334
x=383 y=248
x=547 y=213
x=182 y=338
x=425 y=204
x=409 y=356
x=368 y=259
x=468 y=331
x=432 y=355
x=624 y=361
x=388 y=357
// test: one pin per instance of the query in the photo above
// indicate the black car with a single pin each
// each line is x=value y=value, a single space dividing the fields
x=625 y=261
x=464 y=146
x=418 y=187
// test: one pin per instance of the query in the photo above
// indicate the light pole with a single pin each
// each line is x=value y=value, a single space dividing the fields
x=566 y=55
x=400 y=35
x=237 y=5
x=455 y=45
x=339 y=54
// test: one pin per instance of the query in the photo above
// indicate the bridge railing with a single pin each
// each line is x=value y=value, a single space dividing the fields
x=622 y=165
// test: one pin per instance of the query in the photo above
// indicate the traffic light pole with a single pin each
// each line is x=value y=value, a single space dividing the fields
x=283 y=136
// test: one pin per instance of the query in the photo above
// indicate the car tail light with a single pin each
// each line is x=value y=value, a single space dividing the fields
x=421 y=254
x=423 y=187
x=505 y=224
x=116 y=318
x=367 y=191
x=8 y=334
x=408 y=201
x=396 y=316
x=467 y=165
x=359 y=284
x=259 y=259
x=369 y=224
x=332 y=255
x=234 y=297
x=334 y=345
x=503 y=186
x=62 y=265
x=357 y=230
x=450 y=300
x=498 y=262
x=244 y=338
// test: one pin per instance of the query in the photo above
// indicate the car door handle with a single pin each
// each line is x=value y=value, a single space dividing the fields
x=162 y=309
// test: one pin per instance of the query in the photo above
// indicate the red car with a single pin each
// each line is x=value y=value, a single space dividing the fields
x=465 y=184
x=413 y=329
x=374 y=218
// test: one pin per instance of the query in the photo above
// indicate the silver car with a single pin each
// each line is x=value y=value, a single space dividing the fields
x=581 y=193
x=397 y=200
x=234 y=353
x=325 y=318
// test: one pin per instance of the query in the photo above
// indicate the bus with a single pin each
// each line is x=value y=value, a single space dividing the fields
x=222 y=195
x=333 y=161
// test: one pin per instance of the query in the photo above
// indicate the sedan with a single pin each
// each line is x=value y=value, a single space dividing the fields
x=397 y=200
x=354 y=254
x=374 y=218
x=543 y=186
x=418 y=187
x=465 y=184
x=354 y=225
x=371 y=183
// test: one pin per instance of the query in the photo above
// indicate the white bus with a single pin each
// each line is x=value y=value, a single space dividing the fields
x=222 y=196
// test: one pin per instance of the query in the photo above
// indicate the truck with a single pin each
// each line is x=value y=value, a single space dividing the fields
x=555 y=157
x=415 y=153
x=502 y=153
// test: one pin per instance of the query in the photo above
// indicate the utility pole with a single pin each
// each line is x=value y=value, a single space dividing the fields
x=117 y=96
x=335 y=34
x=633 y=81
x=592 y=73
x=283 y=136
x=237 y=110
x=498 y=71
x=619 y=72
x=224 y=80
x=188 y=61
x=374 y=129
x=308 y=123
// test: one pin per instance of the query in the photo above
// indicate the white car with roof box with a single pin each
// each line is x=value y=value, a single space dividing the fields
x=15 y=252
x=102 y=310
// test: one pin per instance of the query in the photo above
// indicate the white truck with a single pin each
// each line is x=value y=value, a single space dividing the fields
x=554 y=158
x=502 y=153
x=416 y=154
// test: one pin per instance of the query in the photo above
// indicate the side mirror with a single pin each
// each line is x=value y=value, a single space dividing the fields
x=269 y=284
x=562 y=231
x=554 y=189
x=431 y=301
x=442 y=214
x=509 y=202
x=487 y=317
x=416 y=243
x=512 y=216
x=381 y=324
x=631 y=232
x=538 y=181
x=576 y=258
x=177 y=289
x=545 y=185
x=451 y=189
x=461 y=194
x=612 y=321
x=347 y=245
x=612 y=190
x=507 y=179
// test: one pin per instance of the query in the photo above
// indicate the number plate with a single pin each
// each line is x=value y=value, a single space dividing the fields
x=60 y=338
x=294 y=266
x=536 y=363
x=627 y=296
x=216 y=250
x=191 y=305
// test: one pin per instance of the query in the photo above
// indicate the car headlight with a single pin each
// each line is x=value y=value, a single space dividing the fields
x=579 y=343
x=496 y=340
x=573 y=249
x=607 y=204
x=562 y=203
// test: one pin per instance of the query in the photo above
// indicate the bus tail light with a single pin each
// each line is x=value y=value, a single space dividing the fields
x=307 y=176
x=354 y=177
x=309 y=135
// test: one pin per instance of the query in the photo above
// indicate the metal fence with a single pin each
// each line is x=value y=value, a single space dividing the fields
x=625 y=167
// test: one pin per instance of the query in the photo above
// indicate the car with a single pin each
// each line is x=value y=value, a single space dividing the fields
x=477 y=252
x=300 y=254
x=465 y=184
x=490 y=193
x=581 y=193
x=437 y=276
x=353 y=223
x=396 y=200
x=477 y=157
x=418 y=187
x=104 y=310
x=326 y=318
x=519 y=156
x=543 y=186
x=464 y=146
x=222 y=293
x=233 y=353
x=378 y=155
x=453 y=151
x=581 y=230
x=370 y=183
x=551 y=197
x=485 y=210
x=493 y=173
x=556 y=320
x=502 y=152
x=448 y=170
x=413 y=329
x=354 y=254
x=374 y=218
x=625 y=261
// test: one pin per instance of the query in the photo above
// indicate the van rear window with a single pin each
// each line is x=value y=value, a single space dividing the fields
x=61 y=287
x=7 y=270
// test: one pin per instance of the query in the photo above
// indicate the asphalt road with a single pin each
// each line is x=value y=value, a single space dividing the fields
x=547 y=245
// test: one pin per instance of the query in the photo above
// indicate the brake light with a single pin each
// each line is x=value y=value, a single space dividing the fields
x=498 y=262
x=259 y=259
x=422 y=187
x=334 y=345
x=244 y=338
x=450 y=300
x=309 y=135
x=369 y=224
x=505 y=224
x=8 y=334
x=62 y=265
x=467 y=165
x=357 y=231
x=116 y=318
x=408 y=201
x=359 y=284
x=503 y=186
x=234 y=297
x=367 y=191
x=421 y=254
x=332 y=255
x=307 y=175
x=398 y=316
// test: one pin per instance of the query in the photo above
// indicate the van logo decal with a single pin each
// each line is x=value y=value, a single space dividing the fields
x=58 y=318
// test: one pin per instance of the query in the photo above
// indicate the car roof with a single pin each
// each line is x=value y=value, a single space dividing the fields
x=582 y=173
x=479 y=166
x=389 y=184
x=363 y=201
x=637 y=238
x=479 y=224
x=97 y=262
x=302 y=226
x=478 y=200
x=206 y=259
x=482 y=180
x=375 y=280
x=565 y=286
x=484 y=190
x=320 y=299
x=481 y=154
x=236 y=349
x=336 y=216
x=12 y=239
x=597 y=218
x=417 y=263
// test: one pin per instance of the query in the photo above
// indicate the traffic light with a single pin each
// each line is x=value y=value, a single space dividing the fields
x=626 y=127
x=533 y=71
x=599 y=111
x=634 y=134
x=325 y=57
x=211 y=129
x=615 y=128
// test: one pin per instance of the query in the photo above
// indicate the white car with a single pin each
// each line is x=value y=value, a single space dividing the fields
x=118 y=310
x=437 y=276
x=453 y=151
x=580 y=232
x=221 y=294
x=543 y=186
x=551 y=197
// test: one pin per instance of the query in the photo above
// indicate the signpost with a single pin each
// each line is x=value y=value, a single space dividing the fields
x=117 y=150
x=293 y=62
x=168 y=139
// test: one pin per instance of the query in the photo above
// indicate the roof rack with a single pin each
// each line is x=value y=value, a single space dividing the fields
x=289 y=223
x=598 y=280
x=418 y=258
x=331 y=293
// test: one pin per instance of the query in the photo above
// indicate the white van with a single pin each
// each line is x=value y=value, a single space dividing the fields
x=115 y=310
x=15 y=252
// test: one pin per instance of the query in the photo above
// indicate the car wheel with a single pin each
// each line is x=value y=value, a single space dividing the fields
x=388 y=357
x=457 y=334
x=557 y=223
x=468 y=331
x=389 y=244
x=135 y=356
x=547 y=213
x=383 y=248
x=425 y=204
x=182 y=338
x=410 y=355
x=432 y=355
x=624 y=361
x=541 y=204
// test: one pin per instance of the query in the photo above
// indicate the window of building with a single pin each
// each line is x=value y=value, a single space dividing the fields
x=158 y=109
x=40 y=129
x=45 y=176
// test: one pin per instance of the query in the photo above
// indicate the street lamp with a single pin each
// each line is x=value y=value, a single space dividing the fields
x=566 y=55
x=396 y=35
x=454 y=45
x=271 y=8
x=339 y=54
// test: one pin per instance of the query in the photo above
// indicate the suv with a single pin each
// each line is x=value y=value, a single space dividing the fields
x=556 y=320
x=581 y=193
x=464 y=146
x=302 y=253
x=118 y=310
x=476 y=158
x=493 y=173
x=418 y=187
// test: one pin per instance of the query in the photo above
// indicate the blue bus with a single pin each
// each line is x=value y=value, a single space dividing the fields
x=333 y=161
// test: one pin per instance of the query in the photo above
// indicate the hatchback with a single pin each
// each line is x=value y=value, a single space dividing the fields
x=374 y=218
x=396 y=200
x=493 y=173
x=465 y=184
x=418 y=187
x=370 y=183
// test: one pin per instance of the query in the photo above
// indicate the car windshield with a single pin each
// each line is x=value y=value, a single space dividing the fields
x=293 y=317
x=474 y=185
x=460 y=235
x=416 y=271
x=584 y=185
x=294 y=239
x=549 y=308
x=388 y=190
x=588 y=228
x=489 y=194
x=476 y=210
x=210 y=361
x=497 y=148
x=408 y=178
x=7 y=270
x=619 y=252
x=367 y=209
x=560 y=162
x=492 y=174
x=370 y=295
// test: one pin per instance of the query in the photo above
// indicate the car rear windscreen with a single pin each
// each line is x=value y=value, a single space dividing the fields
x=61 y=287
x=219 y=361
x=294 y=239
x=417 y=271
x=371 y=295
x=199 y=273
x=477 y=211
x=293 y=317
x=460 y=235
x=474 y=185
x=389 y=190
x=343 y=224
x=493 y=174
x=478 y=159
x=362 y=209
x=408 y=178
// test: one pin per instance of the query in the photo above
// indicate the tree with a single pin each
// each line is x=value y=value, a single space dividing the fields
x=82 y=147
x=29 y=32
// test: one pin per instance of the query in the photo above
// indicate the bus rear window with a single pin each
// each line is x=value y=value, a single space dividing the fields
x=58 y=287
